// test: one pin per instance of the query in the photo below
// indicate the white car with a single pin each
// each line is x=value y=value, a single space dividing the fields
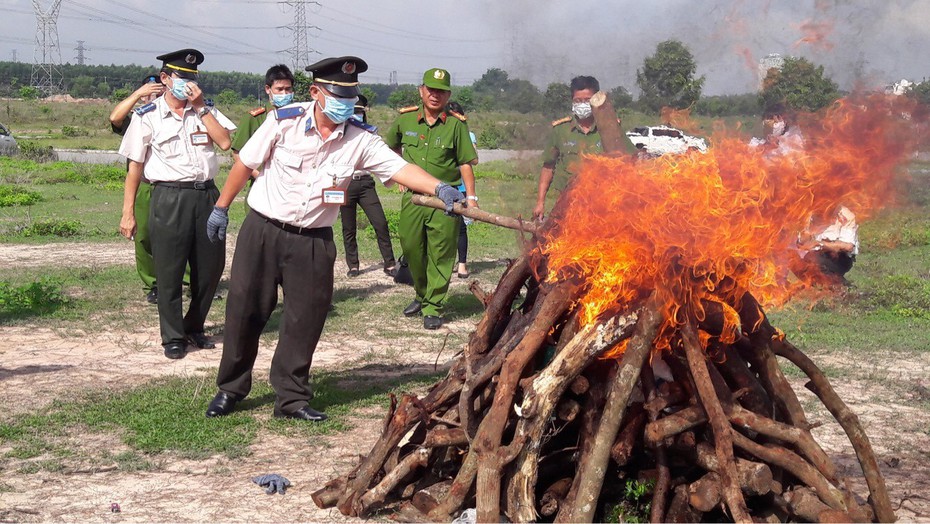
x=663 y=140
x=8 y=145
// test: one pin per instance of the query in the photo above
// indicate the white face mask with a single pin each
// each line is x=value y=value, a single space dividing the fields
x=582 y=110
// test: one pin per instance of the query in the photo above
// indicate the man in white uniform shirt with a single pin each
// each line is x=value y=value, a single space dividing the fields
x=307 y=153
x=173 y=140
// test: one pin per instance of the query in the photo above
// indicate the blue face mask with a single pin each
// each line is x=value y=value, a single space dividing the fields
x=339 y=109
x=179 y=88
x=282 y=99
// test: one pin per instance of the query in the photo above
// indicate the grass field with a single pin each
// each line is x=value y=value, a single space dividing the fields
x=870 y=335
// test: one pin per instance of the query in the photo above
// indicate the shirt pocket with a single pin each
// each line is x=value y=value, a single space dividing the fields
x=410 y=141
x=288 y=164
x=442 y=152
x=340 y=173
x=168 y=143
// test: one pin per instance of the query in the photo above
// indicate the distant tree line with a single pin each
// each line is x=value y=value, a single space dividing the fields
x=666 y=79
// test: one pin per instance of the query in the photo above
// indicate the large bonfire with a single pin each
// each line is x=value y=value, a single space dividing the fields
x=630 y=342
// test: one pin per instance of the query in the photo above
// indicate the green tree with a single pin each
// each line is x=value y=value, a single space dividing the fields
x=799 y=86
x=29 y=93
x=118 y=95
x=301 y=86
x=82 y=87
x=557 y=100
x=493 y=82
x=406 y=95
x=227 y=97
x=921 y=92
x=522 y=96
x=465 y=96
x=667 y=78
x=370 y=94
x=102 y=90
x=620 y=97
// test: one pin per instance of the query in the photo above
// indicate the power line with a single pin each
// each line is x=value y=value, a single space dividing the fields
x=46 y=72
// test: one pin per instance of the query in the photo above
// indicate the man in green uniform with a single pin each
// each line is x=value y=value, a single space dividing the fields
x=436 y=140
x=571 y=137
x=279 y=86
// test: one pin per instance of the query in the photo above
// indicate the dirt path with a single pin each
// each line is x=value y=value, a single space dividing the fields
x=40 y=365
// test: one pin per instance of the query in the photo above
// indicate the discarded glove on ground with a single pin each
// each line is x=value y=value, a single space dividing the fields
x=272 y=483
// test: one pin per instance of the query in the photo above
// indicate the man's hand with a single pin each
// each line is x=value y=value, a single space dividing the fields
x=127 y=226
x=149 y=89
x=272 y=483
x=449 y=196
x=195 y=95
x=539 y=212
x=472 y=202
x=216 y=224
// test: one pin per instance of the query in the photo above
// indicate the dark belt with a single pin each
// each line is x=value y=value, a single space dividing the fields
x=187 y=185
x=303 y=231
x=360 y=176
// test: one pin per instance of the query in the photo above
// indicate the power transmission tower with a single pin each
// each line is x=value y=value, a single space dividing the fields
x=300 y=51
x=392 y=79
x=80 y=49
x=14 y=55
x=46 y=68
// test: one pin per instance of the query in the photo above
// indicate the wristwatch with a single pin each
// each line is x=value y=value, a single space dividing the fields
x=472 y=197
x=203 y=111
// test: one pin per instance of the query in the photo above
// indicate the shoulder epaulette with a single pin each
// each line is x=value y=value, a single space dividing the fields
x=144 y=109
x=407 y=109
x=362 y=125
x=258 y=111
x=460 y=116
x=289 y=112
x=561 y=121
x=208 y=102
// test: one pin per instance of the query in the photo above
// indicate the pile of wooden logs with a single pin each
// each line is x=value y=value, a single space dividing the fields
x=532 y=423
x=544 y=417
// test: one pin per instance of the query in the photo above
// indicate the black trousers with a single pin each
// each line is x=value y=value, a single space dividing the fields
x=302 y=264
x=178 y=232
x=463 y=242
x=362 y=193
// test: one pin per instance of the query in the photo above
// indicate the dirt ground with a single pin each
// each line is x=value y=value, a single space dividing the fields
x=39 y=365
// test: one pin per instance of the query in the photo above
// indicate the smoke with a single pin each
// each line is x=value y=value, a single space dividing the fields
x=869 y=42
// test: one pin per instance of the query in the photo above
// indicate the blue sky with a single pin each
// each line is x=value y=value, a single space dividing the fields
x=875 y=42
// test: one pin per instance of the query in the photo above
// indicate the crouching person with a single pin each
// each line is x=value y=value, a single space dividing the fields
x=307 y=152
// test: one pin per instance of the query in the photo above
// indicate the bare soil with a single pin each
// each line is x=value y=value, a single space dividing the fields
x=41 y=364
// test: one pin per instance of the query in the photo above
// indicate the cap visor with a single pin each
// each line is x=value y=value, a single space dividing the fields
x=436 y=85
x=341 y=91
x=185 y=75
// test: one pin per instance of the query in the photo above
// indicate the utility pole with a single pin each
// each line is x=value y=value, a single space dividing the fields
x=300 y=51
x=392 y=78
x=14 y=55
x=46 y=67
x=80 y=49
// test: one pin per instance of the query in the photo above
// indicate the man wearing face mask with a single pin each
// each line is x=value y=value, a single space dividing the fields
x=279 y=86
x=571 y=136
x=436 y=140
x=173 y=140
x=307 y=153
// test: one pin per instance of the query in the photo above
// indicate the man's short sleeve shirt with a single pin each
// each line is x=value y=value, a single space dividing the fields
x=439 y=148
x=247 y=127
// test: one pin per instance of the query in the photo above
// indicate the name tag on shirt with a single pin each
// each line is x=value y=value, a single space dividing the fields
x=200 y=138
x=333 y=196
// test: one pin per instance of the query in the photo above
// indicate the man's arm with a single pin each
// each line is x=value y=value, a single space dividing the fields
x=122 y=109
x=468 y=178
x=127 y=224
x=238 y=176
x=418 y=180
x=545 y=180
x=218 y=133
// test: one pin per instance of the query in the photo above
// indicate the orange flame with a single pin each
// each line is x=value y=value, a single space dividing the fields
x=816 y=35
x=701 y=228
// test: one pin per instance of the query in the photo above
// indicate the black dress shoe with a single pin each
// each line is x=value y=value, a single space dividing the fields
x=221 y=405
x=152 y=297
x=413 y=308
x=200 y=340
x=304 y=413
x=353 y=272
x=390 y=271
x=431 y=322
x=175 y=350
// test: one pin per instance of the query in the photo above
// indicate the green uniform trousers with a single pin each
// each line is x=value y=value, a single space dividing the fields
x=178 y=231
x=145 y=264
x=429 y=239
x=266 y=257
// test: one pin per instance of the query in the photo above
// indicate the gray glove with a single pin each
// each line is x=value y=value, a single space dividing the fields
x=449 y=196
x=272 y=483
x=216 y=224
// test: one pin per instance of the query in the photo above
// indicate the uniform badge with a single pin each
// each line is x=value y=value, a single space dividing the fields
x=190 y=59
x=289 y=112
x=348 y=68
x=439 y=74
x=141 y=110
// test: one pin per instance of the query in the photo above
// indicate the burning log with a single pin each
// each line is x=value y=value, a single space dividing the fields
x=603 y=378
